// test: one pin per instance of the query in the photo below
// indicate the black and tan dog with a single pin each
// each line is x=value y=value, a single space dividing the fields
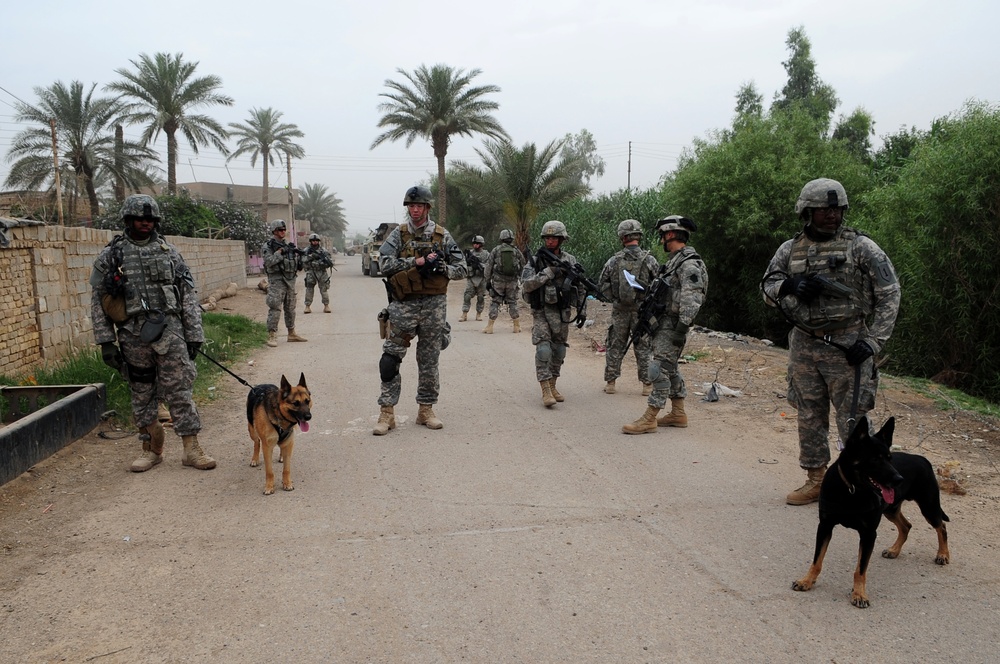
x=272 y=415
x=866 y=481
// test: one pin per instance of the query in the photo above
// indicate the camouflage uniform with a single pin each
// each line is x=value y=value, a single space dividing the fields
x=161 y=370
x=317 y=263
x=551 y=313
x=687 y=279
x=281 y=268
x=476 y=284
x=818 y=373
x=624 y=315
x=421 y=316
x=503 y=288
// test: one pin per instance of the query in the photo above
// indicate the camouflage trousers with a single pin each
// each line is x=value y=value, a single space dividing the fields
x=664 y=372
x=504 y=292
x=171 y=376
x=321 y=279
x=280 y=296
x=477 y=290
x=423 y=318
x=818 y=376
x=622 y=322
x=550 y=335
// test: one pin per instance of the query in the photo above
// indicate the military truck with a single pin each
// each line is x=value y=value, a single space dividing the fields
x=369 y=250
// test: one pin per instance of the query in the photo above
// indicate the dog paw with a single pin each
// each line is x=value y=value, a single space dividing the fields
x=942 y=560
x=288 y=487
x=268 y=490
x=889 y=553
x=801 y=585
x=254 y=463
x=859 y=601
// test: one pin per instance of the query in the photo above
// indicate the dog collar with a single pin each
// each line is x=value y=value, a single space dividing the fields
x=850 y=487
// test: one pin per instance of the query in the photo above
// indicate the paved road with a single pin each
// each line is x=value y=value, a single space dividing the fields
x=514 y=534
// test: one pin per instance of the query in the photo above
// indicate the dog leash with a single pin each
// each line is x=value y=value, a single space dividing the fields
x=213 y=360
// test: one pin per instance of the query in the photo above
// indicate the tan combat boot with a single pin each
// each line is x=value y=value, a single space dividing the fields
x=489 y=327
x=609 y=387
x=327 y=309
x=426 y=416
x=645 y=424
x=294 y=337
x=386 y=421
x=152 y=449
x=272 y=339
x=548 y=400
x=647 y=389
x=479 y=315
x=555 y=393
x=676 y=417
x=194 y=455
x=808 y=492
x=517 y=325
x=307 y=310
x=465 y=317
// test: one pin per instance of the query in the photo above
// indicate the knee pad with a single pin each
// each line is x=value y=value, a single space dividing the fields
x=141 y=374
x=543 y=351
x=446 y=337
x=559 y=352
x=388 y=367
x=654 y=371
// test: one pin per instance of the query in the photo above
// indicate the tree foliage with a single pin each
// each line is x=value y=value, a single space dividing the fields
x=323 y=210
x=804 y=88
x=582 y=148
x=264 y=136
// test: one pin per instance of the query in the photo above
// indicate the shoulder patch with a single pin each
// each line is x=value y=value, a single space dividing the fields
x=884 y=276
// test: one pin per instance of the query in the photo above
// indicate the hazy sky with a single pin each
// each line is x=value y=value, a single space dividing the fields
x=656 y=73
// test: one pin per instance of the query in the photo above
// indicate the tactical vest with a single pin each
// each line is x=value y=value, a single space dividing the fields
x=288 y=266
x=507 y=265
x=407 y=284
x=835 y=260
x=670 y=274
x=150 y=275
x=621 y=292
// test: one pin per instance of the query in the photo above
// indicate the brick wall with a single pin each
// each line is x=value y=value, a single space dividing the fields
x=45 y=287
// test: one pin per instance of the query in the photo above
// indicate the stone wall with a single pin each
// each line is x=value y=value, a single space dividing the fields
x=45 y=287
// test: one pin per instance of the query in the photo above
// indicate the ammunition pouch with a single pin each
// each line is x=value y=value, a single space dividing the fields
x=114 y=307
x=153 y=327
x=409 y=284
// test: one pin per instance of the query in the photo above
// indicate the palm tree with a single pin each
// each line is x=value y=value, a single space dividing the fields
x=323 y=210
x=164 y=96
x=437 y=104
x=265 y=137
x=85 y=139
x=522 y=181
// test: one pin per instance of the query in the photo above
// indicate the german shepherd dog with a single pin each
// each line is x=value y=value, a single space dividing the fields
x=866 y=481
x=272 y=414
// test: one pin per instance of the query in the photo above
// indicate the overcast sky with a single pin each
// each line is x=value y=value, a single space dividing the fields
x=656 y=73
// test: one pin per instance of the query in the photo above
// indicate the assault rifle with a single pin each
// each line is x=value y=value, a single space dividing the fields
x=572 y=275
x=475 y=265
x=651 y=311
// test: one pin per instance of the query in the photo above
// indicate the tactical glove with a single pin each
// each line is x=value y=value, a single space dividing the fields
x=858 y=353
x=109 y=353
x=552 y=273
x=678 y=336
x=193 y=348
x=802 y=287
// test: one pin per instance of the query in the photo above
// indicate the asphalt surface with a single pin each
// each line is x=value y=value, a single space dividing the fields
x=515 y=534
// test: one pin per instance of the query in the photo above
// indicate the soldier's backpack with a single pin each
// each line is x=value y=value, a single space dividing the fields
x=508 y=263
x=626 y=294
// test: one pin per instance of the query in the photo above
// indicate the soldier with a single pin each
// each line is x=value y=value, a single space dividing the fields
x=687 y=279
x=476 y=259
x=840 y=291
x=317 y=263
x=503 y=278
x=551 y=302
x=281 y=263
x=143 y=295
x=418 y=259
x=642 y=267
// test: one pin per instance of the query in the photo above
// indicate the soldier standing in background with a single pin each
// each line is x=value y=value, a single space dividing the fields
x=317 y=263
x=418 y=258
x=840 y=291
x=687 y=281
x=626 y=298
x=476 y=259
x=144 y=297
x=281 y=263
x=503 y=278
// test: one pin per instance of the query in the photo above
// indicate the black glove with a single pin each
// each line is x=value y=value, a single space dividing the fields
x=858 y=353
x=802 y=287
x=109 y=353
x=193 y=347
x=678 y=336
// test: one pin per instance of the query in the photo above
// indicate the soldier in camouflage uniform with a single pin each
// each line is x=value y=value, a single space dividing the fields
x=143 y=296
x=840 y=291
x=687 y=279
x=551 y=310
x=643 y=266
x=418 y=258
x=281 y=263
x=503 y=278
x=317 y=263
x=476 y=285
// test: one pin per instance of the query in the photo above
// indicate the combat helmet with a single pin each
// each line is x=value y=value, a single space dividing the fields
x=628 y=228
x=554 y=229
x=277 y=224
x=506 y=236
x=821 y=193
x=140 y=206
x=314 y=236
x=417 y=194
x=478 y=240
x=676 y=222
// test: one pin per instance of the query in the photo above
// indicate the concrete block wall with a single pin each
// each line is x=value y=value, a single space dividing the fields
x=45 y=288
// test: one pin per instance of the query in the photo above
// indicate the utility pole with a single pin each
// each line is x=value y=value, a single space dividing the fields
x=55 y=162
x=628 y=185
x=291 y=208
x=119 y=150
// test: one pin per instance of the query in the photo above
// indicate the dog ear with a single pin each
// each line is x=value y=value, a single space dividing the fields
x=886 y=431
x=860 y=432
x=286 y=387
x=302 y=380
